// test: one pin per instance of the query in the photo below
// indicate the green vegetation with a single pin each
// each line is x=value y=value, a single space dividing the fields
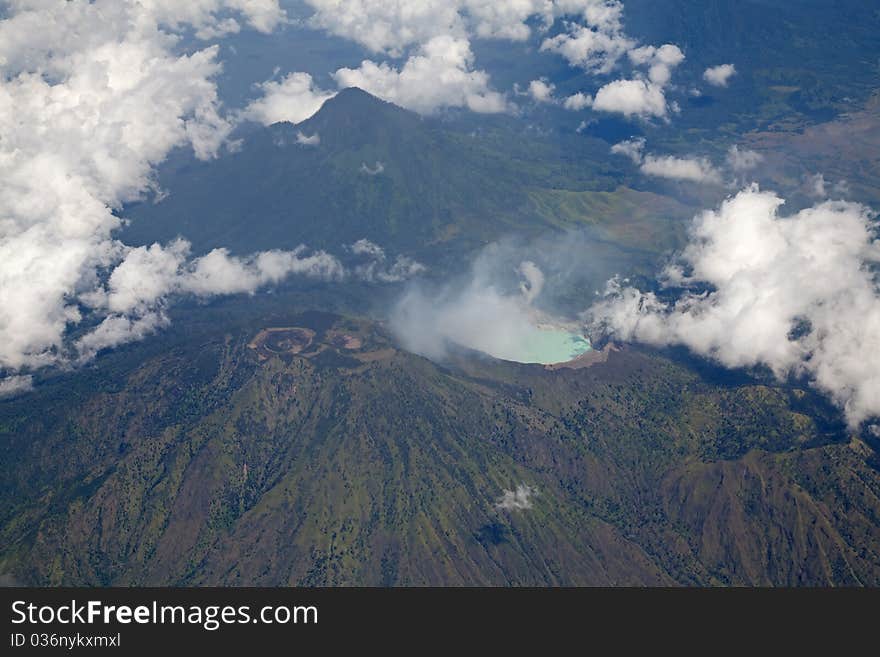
x=205 y=465
x=440 y=190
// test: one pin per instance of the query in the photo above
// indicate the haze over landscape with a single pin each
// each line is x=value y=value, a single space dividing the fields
x=553 y=292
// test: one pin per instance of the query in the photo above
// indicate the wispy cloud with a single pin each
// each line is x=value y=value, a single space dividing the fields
x=378 y=269
x=519 y=499
x=15 y=385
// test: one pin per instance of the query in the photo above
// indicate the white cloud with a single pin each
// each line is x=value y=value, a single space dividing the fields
x=588 y=48
x=598 y=44
x=262 y=15
x=640 y=97
x=660 y=61
x=508 y=20
x=116 y=330
x=817 y=186
x=719 y=76
x=374 y=170
x=392 y=27
x=693 y=169
x=433 y=37
x=741 y=160
x=145 y=276
x=519 y=499
x=439 y=75
x=388 y=27
x=94 y=97
x=532 y=282
x=637 y=98
x=15 y=385
x=634 y=149
x=308 y=140
x=541 y=91
x=577 y=102
x=295 y=98
x=34 y=29
x=377 y=269
x=139 y=288
x=798 y=294
x=477 y=315
x=367 y=248
x=220 y=273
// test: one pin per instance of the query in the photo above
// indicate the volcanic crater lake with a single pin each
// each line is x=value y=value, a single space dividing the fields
x=544 y=346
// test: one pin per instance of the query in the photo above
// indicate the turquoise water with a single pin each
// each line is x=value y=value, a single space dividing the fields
x=547 y=346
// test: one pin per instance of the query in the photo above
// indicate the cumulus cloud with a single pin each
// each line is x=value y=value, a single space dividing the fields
x=294 y=98
x=798 y=294
x=519 y=499
x=632 y=98
x=660 y=61
x=33 y=29
x=692 y=169
x=577 y=102
x=138 y=290
x=541 y=91
x=596 y=44
x=15 y=385
x=220 y=273
x=438 y=76
x=377 y=269
x=137 y=293
x=434 y=40
x=262 y=15
x=387 y=27
x=392 y=27
x=642 y=97
x=94 y=96
x=719 y=76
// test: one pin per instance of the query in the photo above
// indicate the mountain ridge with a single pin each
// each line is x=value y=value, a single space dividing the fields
x=364 y=168
x=353 y=462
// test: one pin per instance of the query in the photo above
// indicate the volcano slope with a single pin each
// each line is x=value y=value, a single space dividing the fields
x=338 y=459
x=413 y=185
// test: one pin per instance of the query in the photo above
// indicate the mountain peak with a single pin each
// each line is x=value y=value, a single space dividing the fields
x=355 y=108
x=356 y=95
